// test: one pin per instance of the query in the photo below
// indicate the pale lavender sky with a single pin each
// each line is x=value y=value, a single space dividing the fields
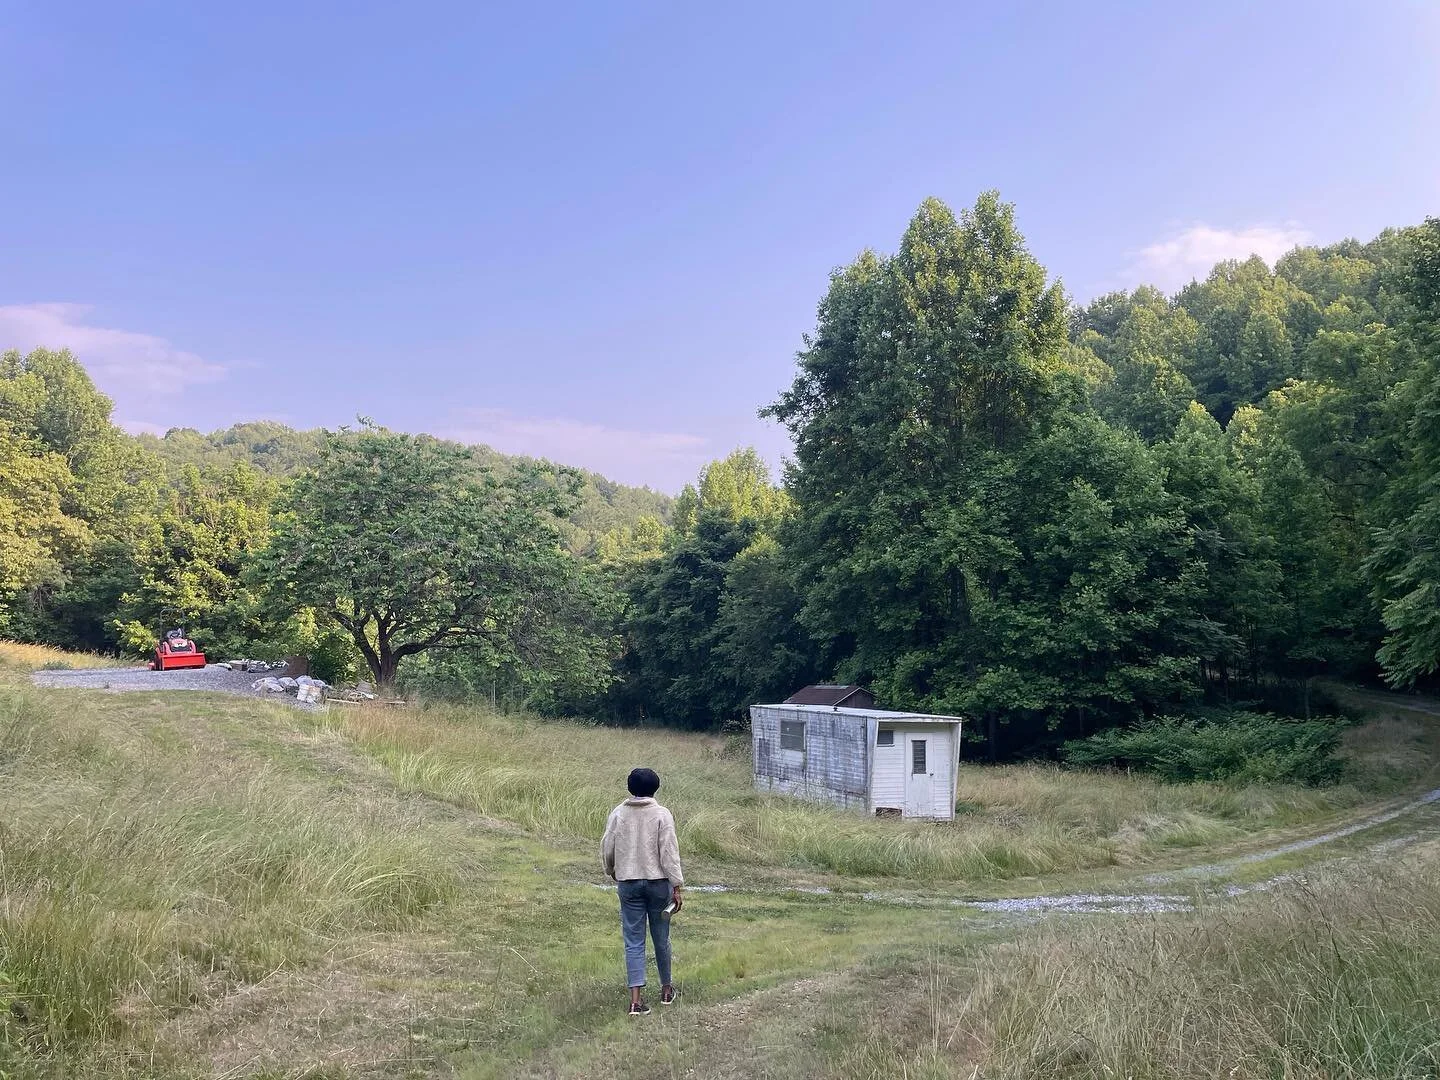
x=598 y=232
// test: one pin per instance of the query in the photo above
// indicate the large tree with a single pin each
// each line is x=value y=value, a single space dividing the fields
x=411 y=545
x=1406 y=562
x=965 y=541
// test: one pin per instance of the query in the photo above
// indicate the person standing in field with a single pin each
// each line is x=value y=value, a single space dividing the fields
x=641 y=854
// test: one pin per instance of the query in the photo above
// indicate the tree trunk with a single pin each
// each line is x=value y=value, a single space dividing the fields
x=389 y=661
x=372 y=660
x=992 y=735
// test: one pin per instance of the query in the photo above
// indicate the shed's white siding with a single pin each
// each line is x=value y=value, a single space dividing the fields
x=941 y=760
x=887 y=782
x=892 y=768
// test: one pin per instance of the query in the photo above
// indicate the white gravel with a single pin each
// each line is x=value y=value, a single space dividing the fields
x=211 y=677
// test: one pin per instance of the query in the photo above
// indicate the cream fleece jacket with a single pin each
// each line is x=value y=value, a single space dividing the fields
x=640 y=843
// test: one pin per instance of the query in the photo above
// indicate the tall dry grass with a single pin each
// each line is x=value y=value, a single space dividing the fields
x=142 y=874
x=1336 y=978
x=560 y=780
x=19 y=656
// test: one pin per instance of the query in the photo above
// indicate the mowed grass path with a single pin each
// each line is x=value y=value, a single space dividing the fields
x=196 y=885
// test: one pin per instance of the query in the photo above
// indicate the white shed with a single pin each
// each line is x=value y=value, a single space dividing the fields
x=865 y=759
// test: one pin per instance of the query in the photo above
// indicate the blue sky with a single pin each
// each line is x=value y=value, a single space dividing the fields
x=597 y=233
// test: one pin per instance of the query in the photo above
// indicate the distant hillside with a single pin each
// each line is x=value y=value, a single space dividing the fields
x=283 y=451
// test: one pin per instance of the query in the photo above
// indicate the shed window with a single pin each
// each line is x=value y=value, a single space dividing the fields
x=886 y=737
x=792 y=735
x=917 y=756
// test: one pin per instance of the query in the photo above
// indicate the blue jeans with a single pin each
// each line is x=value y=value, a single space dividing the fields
x=640 y=900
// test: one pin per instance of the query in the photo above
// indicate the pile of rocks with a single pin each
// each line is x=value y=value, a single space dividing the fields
x=361 y=691
x=255 y=667
x=307 y=690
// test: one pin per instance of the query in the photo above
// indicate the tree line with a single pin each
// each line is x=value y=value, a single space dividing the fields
x=1055 y=519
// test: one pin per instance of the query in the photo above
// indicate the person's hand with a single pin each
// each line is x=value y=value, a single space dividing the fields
x=678 y=899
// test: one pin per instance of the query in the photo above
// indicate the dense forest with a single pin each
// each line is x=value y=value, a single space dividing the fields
x=1056 y=520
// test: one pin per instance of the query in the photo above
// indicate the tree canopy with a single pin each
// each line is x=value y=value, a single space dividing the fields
x=1055 y=518
x=411 y=546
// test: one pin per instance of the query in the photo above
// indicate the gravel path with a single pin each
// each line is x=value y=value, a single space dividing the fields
x=212 y=677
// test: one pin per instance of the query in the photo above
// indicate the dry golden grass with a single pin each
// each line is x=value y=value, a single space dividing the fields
x=142 y=872
x=559 y=780
x=1333 y=977
x=19 y=656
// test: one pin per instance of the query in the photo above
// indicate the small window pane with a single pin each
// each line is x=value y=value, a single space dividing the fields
x=792 y=735
x=917 y=756
x=885 y=738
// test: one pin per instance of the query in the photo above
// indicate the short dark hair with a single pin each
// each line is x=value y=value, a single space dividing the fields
x=643 y=783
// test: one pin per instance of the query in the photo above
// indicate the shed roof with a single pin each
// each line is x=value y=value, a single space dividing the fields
x=884 y=716
x=830 y=694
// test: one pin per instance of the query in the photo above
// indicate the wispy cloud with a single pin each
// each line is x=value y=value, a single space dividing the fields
x=1190 y=253
x=118 y=360
x=661 y=459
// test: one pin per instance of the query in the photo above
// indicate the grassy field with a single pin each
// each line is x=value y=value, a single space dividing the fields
x=559 y=780
x=195 y=885
x=18 y=656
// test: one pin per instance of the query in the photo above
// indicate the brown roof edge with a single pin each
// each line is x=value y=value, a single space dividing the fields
x=828 y=694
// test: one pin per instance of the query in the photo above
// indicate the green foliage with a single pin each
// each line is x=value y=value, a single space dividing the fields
x=739 y=488
x=191 y=560
x=283 y=452
x=1238 y=748
x=1321 y=373
x=1145 y=343
x=37 y=537
x=1405 y=564
x=1050 y=519
x=411 y=546
x=969 y=538
x=712 y=620
x=670 y=672
x=48 y=396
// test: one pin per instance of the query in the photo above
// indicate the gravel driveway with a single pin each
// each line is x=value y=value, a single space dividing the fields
x=119 y=680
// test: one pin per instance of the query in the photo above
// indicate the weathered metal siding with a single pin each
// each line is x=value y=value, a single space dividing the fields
x=834 y=766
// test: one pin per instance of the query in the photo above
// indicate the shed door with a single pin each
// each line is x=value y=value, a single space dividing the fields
x=921 y=755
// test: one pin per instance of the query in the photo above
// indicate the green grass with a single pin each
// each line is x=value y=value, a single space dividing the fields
x=197 y=885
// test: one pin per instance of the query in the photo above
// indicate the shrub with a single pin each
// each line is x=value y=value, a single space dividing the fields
x=1242 y=747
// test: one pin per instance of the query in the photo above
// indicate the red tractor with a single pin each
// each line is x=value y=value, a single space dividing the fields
x=175 y=650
